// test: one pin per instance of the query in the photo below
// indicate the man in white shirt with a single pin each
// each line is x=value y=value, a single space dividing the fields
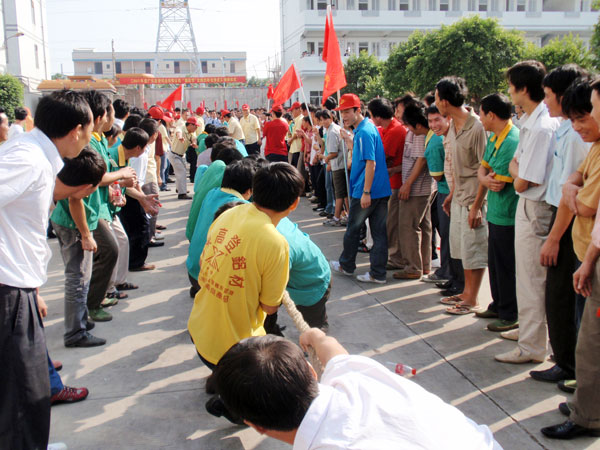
x=251 y=128
x=530 y=169
x=18 y=126
x=233 y=126
x=358 y=403
x=28 y=168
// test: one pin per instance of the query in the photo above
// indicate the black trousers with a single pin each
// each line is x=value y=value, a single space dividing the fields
x=104 y=263
x=435 y=226
x=191 y=157
x=137 y=226
x=501 y=269
x=321 y=190
x=24 y=379
x=253 y=149
x=273 y=157
x=560 y=303
x=316 y=315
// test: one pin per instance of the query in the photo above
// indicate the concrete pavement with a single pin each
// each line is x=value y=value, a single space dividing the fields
x=147 y=384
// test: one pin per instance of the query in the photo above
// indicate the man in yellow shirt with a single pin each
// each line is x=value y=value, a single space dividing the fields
x=251 y=128
x=233 y=126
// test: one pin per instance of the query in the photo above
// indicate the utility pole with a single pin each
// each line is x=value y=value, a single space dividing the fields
x=175 y=30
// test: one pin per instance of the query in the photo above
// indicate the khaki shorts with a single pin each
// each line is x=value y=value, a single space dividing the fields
x=339 y=183
x=467 y=244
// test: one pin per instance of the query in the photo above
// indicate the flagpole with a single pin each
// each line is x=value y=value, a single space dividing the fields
x=303 y=94
x=182 y=97
x=345 y=154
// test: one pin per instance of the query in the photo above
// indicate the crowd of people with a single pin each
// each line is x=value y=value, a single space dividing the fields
x=507 y=184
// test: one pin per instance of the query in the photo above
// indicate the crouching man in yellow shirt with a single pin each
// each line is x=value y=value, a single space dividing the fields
x=244 y=268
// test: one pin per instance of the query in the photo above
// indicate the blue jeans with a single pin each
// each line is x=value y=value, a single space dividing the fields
x=164 y=170
x=330 y=207
x=377 y=215
x=56 y=384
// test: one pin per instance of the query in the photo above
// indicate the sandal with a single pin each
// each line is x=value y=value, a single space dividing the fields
x=452 y=300
x=126 y=286
x=461 y=309
x=117 y=294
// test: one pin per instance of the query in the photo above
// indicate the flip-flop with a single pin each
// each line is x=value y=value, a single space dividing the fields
x=460 y=309
x=117 y=294
x=126 y=286
x=452 y=300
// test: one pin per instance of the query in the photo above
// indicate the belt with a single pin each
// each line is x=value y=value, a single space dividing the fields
x=175 y=153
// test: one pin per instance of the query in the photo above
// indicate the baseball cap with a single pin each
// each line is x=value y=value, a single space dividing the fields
x=245 y=106
x=224 y=112
x=191 y=121
x=277 y=108
x=295 y=105
x=157 y=113
x=199 y=110
x=348 y=101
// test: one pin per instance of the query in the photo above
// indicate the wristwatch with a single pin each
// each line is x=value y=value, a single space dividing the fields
x=367 y=192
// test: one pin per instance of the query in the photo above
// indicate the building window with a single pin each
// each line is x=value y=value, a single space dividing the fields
x=118 y=67
x=231 y=67
x=403 y=5
x=168 y=66
x=350 y=4
x=432 y=5
x=521 y=5
x=315 y=97
x=107 y=66
x=213 y=65
x=148 y=67
x=310 y=48
x=37 y=56
x=98 y=68
x=32 y=12
x=444 y=5
x=363 y=47
x=204 y=66
x=321 y=44
x=176 y=67
x=321 y=4
x=363 y=5
x=483 y=5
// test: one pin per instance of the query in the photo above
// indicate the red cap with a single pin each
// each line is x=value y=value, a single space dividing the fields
x=200 y=110
x=277 y=108
x=177 y=117
x=295 y=105
x=224 y=112
x=191 y=121
x=157 y=113
x=348 y=101
x=168 y=114
x=245 y=106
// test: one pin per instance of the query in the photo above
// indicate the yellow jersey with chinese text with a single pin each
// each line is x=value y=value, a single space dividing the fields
x=245 y=262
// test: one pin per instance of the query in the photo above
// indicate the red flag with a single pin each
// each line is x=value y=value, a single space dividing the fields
x=189 y=106
x=159 y=103
x=270 y=91
x=173 y=97
x=287 y=86
x=203 y=104
x=335 y=78
x=215 y=105
x=145 y=106
x=225 y=107
x=237 y=104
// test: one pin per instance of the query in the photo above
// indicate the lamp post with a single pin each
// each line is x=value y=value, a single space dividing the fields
x=4 y=45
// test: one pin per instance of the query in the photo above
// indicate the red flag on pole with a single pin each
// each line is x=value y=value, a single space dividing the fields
x=270 y=91
x=215 y=105
x=145 y=106
x=175 y=96
x=225 y=104
x=237 y=104
x=288 y=84
x=335 y=78
x=189 y=106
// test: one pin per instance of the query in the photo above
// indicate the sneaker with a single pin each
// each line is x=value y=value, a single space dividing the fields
x=433 y=278
x=489 y=314
x=313 y=199
x=318 y=209
x=332 y=223
x=517 y=356
x=69 y=395
x=502 y=325
x=109 y=301
x=367 y=278
x=512 y=335
x=87 y=340
x=336 y=267
x=436 y=264
x=99 y=315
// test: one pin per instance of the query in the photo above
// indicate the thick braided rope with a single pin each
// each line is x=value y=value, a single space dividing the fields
x=302 y=326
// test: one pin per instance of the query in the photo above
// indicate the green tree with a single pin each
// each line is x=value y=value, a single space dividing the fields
x=360 y=70
x=476 y=49
x=394 y=77
x=59 y=76
x=569 y=49
x=11 y=94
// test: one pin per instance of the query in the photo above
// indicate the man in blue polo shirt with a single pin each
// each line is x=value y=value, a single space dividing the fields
x=369 y=192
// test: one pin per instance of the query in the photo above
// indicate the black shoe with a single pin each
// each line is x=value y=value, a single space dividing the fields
x=154 y=243
x=318 y=208
x=552 y=375
x=444 y=285
x=87 y=340
x=217 y=408
x=450 y=292
x=89 y=325
x=323 y=214
x=170 y=180
x=564 y=409
x=165 y=189
x=184 y=197
x=569 y=430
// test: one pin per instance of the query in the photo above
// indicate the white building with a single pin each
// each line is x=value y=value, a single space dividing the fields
x=377 y=25
x=24 y=44
x=165 y=64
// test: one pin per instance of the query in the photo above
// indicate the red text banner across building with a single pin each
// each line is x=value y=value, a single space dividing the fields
x=182 y=80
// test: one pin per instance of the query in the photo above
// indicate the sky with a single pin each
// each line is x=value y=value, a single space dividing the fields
x=219 y=25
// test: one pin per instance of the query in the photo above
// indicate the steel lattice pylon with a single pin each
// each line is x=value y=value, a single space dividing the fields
x=175 y=28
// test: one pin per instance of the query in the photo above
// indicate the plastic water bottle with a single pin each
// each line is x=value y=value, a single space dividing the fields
x=116 y=193
x=403 y=369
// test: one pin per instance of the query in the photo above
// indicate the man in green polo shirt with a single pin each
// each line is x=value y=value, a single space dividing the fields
x=502 y=205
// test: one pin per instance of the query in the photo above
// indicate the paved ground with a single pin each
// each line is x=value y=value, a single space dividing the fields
x=147 y=384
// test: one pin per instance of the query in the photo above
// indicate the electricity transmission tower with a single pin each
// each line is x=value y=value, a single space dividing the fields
x=175 y=31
